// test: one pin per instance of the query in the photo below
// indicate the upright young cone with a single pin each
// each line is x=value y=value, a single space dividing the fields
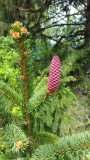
x=54 y=75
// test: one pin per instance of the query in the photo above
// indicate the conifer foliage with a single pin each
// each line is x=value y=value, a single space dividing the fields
x=35 y=107
x=75 y=147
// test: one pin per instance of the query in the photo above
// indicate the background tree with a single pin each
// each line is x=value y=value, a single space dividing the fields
x=40 y=16
x=54 y=29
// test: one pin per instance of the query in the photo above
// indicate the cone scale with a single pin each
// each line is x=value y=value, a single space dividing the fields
x=54 y=75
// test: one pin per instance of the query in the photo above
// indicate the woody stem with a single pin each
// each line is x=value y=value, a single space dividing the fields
x=26 y=95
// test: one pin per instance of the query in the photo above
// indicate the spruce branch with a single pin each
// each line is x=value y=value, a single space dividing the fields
x=37 y=99
x=11 y=93
x=52 y=85
x=72 y=147
x=67 y=79
x=16 y=138
x=41 y=84
x=73 y=143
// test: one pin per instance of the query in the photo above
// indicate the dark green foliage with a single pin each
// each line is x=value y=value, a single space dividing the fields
x=45 y=152
x=60 y=113
x=73 y=147
x=55 y=108
x=11 y=93
x=44 y=19
x=56 y=113
x=42 y=138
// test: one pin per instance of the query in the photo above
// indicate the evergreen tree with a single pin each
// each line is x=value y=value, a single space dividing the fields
x=42 y=16
x=34 y=107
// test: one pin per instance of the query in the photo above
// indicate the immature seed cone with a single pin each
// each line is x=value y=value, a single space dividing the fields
x=54 y=75
x=19 y=144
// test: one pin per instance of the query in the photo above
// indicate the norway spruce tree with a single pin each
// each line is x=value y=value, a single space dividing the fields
x=37 y=106
x=26 y=102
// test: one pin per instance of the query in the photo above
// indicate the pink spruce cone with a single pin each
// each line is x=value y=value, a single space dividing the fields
x=54 y=75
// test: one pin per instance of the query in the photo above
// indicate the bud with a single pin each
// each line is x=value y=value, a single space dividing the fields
x=54 y=75
x=17 y=23
x=22 y=77
x=14 y=34
x=23 y=30
x=19 y=144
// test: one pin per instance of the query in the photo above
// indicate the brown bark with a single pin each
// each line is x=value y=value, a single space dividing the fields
x=26 y=95
x=88 y=23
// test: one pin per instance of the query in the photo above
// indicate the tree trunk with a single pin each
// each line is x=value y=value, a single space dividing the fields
x=88 y=24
